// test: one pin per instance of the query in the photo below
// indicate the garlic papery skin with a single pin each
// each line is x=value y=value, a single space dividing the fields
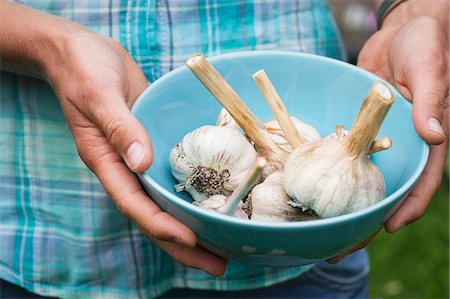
x=211 y=160
x=219 y=204
x=309 y=133
x=334 y=176
x=226 y=120
x=269 y=202
x=379 y=145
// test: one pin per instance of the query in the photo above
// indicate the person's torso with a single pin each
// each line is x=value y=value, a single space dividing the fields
x=60 y=234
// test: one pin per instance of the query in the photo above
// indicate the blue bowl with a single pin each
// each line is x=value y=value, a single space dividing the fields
x=320 y=91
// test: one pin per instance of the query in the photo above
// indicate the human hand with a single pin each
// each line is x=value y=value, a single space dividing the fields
x=97 y=82
x=413 y=56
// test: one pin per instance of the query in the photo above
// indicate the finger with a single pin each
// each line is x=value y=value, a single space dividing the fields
x=418 y=199
x=361 y=245
x=124 y=132
x=194 y=257
x=428 y=83
x=126 y=192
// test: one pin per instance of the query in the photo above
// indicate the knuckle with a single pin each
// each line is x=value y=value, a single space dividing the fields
x=115 y=129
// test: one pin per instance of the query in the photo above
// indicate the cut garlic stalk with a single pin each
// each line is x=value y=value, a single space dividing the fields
x=229 y=99
x=211 y=160
x=269 y=92
x=232 y=205
x=381 y=144
x=335 y=177
x=269 y=202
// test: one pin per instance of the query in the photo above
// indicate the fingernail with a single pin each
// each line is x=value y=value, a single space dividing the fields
x=135 y=155
x=435 y=126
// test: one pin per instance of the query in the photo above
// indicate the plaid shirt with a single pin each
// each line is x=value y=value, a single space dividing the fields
x=60 y=234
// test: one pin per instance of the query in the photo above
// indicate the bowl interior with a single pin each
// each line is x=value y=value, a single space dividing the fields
x=320 y=91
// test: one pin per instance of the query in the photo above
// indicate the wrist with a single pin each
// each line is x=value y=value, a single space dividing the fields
x=28 y=47
x=406 y=11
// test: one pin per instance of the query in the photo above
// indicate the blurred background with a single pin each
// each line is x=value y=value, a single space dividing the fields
x=413 y=262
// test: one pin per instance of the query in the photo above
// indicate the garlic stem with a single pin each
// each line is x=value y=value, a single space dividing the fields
x=229 y=99
x=369 y=119
x=380 y=145
x=279 y=110
x=226 y=95
x=245 y=186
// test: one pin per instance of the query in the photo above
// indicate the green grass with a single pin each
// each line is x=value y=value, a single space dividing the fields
x=414 y=262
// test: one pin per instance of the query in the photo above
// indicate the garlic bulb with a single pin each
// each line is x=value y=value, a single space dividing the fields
x=248 y=122
x=309 y=133
x=335 y=177
x=211 y=160
x=226 y=120
x=269 y=202
x=219 y=203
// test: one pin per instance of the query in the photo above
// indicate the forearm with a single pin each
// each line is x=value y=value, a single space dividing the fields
x=28 y=37
x=412 y=9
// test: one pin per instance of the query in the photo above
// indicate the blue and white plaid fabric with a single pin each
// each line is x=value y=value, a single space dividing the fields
x=60 y=234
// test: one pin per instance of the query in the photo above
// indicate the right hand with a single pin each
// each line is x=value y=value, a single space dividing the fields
x=97 y=82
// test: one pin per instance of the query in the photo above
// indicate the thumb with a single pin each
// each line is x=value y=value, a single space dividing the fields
x=125 y=133
x=429 y=88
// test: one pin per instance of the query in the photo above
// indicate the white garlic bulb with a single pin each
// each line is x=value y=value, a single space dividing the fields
x=269 y=202
x=334 y=176
x=226 y=120
x=211 y=160
x=219 y=204
x=309 y=133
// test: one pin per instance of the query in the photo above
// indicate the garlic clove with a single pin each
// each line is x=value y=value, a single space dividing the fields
x=269 y=202
x=218 y=203
x=334 y=176
x=211 y=160
x=226 y=120
x=309 y=133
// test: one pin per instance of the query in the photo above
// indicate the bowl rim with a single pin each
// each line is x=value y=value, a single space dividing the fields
x=288 y=225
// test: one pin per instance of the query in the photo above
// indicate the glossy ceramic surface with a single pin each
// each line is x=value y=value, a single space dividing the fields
x=320 y=91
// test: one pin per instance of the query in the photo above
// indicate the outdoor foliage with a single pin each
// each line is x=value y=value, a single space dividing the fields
x=414 y=262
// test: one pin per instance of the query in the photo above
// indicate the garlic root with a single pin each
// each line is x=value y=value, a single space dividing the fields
x=211 y=160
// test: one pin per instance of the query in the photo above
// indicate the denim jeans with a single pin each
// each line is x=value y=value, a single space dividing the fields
x=346 y=279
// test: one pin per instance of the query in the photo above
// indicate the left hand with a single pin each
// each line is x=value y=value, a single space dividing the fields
x=414 y=58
